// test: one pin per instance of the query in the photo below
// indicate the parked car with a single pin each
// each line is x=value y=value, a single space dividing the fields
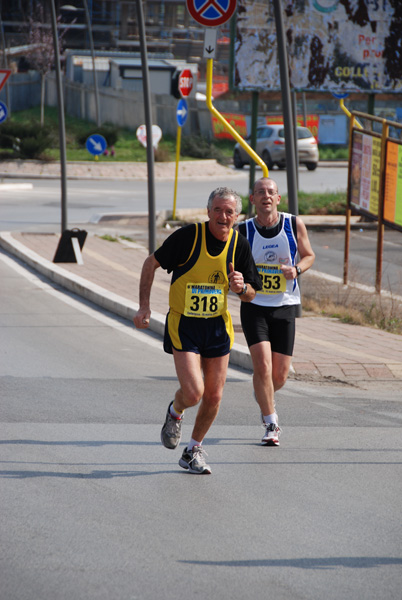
x=270 y=147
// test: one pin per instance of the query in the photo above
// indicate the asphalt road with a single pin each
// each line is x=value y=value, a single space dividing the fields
x=93 y=507
x=38 y=206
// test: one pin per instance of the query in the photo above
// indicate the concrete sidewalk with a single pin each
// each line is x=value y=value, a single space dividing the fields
x=325 y=350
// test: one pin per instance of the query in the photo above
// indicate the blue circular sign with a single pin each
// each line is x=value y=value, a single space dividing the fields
x=96 y=144
x=182 y=112
x=3 y=112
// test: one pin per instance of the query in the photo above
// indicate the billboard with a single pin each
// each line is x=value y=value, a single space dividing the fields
x=393 y=184
x=365 y=172
x=333 y=45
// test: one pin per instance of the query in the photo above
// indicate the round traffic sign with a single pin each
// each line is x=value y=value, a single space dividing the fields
x=96 y=144
x=3 y=112
x=185 y=82
x=211 y=13
x=141 y=134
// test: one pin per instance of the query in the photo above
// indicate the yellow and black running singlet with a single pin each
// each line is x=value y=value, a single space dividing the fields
x=200 y=286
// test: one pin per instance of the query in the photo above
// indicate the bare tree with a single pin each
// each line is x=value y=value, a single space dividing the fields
x=41 y=48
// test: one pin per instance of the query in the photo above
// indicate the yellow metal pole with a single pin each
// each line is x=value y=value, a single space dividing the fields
x=227 y=125
x=178 y=144
x=348 y=113
x=348 y=209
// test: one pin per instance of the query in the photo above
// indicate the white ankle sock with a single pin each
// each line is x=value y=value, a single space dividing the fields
x=271 y=418
x=193 y=443
x=175 y=413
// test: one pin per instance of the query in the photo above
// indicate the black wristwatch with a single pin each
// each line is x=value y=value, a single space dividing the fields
x=298 y=270
x=244 y=290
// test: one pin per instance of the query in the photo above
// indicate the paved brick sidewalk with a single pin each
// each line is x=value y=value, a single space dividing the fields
x=325 y=349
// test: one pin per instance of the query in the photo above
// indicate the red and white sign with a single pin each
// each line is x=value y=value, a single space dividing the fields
x=211 y=13
x=4 y=75
x=141 y=134
x=185 y=83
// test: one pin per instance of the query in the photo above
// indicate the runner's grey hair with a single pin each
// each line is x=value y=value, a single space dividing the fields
x=225 y=192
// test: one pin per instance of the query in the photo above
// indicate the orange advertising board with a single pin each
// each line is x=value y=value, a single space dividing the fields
x=393 y=184
x=238 y=122
x=313 y=122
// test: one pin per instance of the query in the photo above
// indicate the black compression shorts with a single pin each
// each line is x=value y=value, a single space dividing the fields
x=265 y=324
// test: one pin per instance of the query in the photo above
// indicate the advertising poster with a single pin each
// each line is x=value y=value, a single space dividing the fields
x=356 y=168
x=238 y=122
x=365 y=172
x=393 y=184
x=333 y=45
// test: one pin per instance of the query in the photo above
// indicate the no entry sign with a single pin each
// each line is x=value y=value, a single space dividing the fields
x=211 y=13
x=185 y=82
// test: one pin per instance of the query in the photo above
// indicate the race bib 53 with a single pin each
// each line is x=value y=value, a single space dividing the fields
x=273 y=280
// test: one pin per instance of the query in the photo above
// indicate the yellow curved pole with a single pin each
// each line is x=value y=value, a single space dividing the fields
x=347 y=112
x=227 y=125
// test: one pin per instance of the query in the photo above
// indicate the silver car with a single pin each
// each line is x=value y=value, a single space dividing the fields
x=271 y=148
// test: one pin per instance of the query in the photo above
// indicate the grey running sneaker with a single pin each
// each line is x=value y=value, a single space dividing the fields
x=171 y=431
x=272 y=433
x=194 y=461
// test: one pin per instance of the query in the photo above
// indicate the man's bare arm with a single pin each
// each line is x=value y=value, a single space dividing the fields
x=141 y=319
x=305 y=250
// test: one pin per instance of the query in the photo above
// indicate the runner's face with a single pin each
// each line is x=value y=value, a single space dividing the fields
x=265 y=197
x=222 y=216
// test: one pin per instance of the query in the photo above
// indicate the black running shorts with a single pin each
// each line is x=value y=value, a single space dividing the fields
x=266 y=324
x=207 y=337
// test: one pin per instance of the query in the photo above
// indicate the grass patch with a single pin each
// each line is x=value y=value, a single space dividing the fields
x=350 y=305
x=109 y=238
x=128 y=149
x=327 y=203
x=312 y=203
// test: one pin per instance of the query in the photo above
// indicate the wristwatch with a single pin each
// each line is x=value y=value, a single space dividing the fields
x=298 y=270
x=244 y=290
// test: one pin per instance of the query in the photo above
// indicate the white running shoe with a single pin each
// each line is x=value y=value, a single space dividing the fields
x=272 y=433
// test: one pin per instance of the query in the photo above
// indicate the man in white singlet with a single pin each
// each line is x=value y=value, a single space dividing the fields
x=282 y=252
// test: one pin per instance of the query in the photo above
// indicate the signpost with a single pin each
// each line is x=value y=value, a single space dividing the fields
x=185 y=83
x=4 y=75
x=96 y=144
x=211 y=13
x=210 y=40
x=141 y=134
x=181 y=116
x=3 y=112
x=182 y=112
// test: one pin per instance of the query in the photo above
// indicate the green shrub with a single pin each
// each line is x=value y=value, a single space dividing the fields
x=33 y=147
x=26 y=140
x=200 y=147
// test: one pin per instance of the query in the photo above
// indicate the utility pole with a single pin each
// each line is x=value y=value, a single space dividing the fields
x=291 y=172
x=62 y=128
x=148 y=125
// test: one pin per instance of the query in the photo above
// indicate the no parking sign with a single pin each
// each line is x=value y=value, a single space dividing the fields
x=211 y=13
